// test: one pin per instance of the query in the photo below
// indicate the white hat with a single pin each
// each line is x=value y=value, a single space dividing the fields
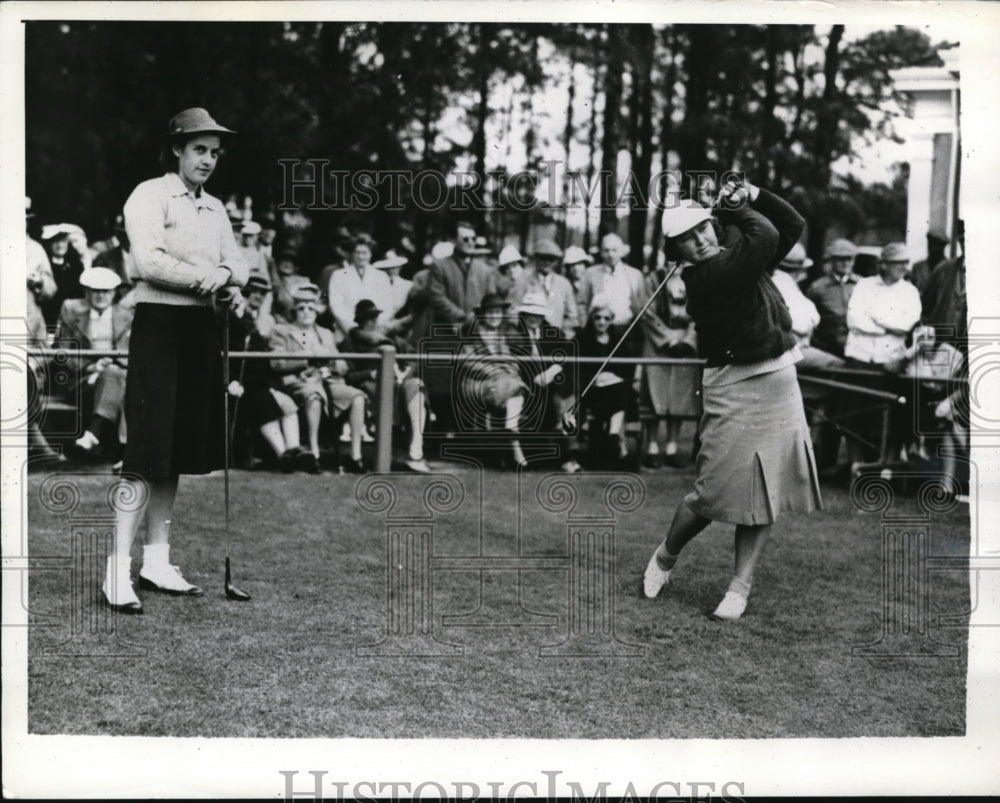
x=508 y=256
x=100 y=279
x=533 y=304
x=443 y=250
x=250 y=227
x=56 y=229
x=390 y=260
x=575 y=255
x=796 y=259
x=682 y=218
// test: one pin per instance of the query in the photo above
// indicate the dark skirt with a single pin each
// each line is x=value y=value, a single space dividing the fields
x=756 y=458
x=174 y=404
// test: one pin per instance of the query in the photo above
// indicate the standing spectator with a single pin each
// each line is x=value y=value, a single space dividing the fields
x=831 y=293
x=366 y=338
x=285 y=281
x=116 y=257
x=505 y=280
x=787 y=276
x=944 y=304
x=673 y=391
x=622 y=285
x=418 y=308
x=66 y=245
x=396 y=320
x=556 y=289
x=882 y=311
x=254 y=258
x=349 y=285
x=183 y=252
x=458 y=280
x=575 y=263
x=755 y=460
x=96 y=322
x=317 y=384
x=922 y=270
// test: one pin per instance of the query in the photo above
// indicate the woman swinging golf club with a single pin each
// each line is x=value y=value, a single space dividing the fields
x=183 y=253
x=756 y=458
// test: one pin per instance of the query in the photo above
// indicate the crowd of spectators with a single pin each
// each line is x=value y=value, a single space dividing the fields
x=904 y=323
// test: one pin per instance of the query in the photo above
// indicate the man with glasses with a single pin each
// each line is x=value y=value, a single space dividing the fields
x=831 y=294
x=458 y=281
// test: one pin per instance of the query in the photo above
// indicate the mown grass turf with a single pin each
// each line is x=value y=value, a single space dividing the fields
x=285 y=664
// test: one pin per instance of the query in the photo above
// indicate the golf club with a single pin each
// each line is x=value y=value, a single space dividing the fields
x=232 y=592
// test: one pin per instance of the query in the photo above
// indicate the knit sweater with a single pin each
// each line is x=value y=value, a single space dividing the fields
x=740 y=316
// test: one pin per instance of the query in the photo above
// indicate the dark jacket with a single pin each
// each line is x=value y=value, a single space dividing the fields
x=740 y=316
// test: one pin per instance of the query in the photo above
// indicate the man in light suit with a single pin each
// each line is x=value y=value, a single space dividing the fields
x=556 y=289
x=622 y=284
x=458 y=282
x=95 y=322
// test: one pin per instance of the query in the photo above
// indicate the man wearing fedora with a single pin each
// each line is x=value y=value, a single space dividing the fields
x=555 y=288
x=183 y=254
x=96 y=322
x=831 y=293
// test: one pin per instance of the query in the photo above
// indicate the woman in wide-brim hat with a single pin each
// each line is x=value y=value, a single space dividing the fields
x=491 y=387
x=756 y=458
x=183 y=255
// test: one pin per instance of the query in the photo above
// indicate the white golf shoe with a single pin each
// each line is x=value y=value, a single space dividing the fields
x=164 y=577
x=117 y=587
x=654 y=579
x=731 y=608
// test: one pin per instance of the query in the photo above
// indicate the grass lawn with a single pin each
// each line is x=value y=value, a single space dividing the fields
x=286 y=665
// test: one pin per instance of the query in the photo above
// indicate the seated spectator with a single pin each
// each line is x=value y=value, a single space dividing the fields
x=95 y=322
x=673 y=391
x=349 y=285
x=317 y=384
x=495 y=387
x=831 y=294
x=260 y=407
x=936 y=366
x=66 y=245
x=611 y=395
x=787 y=277
x=558 y=292
x=547 y=380
x=366 y=338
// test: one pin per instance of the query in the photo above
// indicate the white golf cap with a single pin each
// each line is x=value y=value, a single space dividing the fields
x=390 y=260
x=682 y=218
x=533 y=304
x=443 y=250
x=100 y=279
x=250 y=227
x=509 y=255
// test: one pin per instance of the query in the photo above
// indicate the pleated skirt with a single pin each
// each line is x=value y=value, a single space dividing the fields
x=756 y=458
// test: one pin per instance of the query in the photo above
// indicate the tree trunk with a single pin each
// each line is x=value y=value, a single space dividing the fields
x=609 y=135
x=825 y=129
x=567 y=142
x=666 y=128
x=691 y=139
x=482 y=82
x=642 y=155
x=592 y=142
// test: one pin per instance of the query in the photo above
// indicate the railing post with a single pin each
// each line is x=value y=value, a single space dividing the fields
x=383 y=421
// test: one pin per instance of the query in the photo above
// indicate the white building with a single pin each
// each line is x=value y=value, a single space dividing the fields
x=933 y=150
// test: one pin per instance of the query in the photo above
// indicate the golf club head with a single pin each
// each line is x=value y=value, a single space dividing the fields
x=232 y=592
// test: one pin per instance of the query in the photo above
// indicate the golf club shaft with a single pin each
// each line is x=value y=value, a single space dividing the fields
x=225 y=414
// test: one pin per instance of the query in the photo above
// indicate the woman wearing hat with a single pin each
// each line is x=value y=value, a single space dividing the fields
x=183 y=253
x=491 y=386
x=366 y=338
x=317 y=385
x=756 y=458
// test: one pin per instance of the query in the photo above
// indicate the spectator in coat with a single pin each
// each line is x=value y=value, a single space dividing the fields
x=96 y=322
x=411 y=404
x=622 y=286
x=317 y=384
x=66 y=245
x=458 y=281
x=943 y=303
x=575 y=263
x=249 y=247
x=556 y=289
x=506 y=279
x=349 y=285
x=922 y=270
x=396 y=320
x=831 y=294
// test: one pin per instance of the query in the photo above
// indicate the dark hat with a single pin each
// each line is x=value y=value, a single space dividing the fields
x=260 y=284
x=365 y=309
x=194 y=121
x=491 y=301
x=288 y=253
